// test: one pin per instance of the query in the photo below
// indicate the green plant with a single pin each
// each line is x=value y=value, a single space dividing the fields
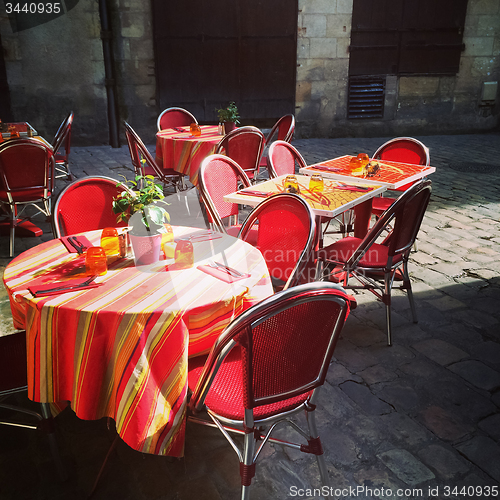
x=229 y=114
x=141 y=207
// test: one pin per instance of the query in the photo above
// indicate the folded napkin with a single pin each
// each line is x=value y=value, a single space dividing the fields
x=347 y=187
x=71 y=248
x=260 y=194
x=325 y=168
x=54 y=288
x=221 y=274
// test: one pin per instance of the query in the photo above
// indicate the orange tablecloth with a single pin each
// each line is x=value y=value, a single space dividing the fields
x=120 y=350
x=392 y=174
x=183 y=152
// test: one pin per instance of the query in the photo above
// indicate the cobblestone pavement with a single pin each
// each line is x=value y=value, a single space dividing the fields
x=420 y=418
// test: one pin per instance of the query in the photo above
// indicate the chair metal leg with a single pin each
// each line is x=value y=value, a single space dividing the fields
x=51 y=434
x=387 y=302
x=313 y=432
x=407 y=286
x=247 y=467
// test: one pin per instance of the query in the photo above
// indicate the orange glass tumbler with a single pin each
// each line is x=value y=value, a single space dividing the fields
x=110 y=242
x=95 y=262
x=195 y=129
x=184 y=255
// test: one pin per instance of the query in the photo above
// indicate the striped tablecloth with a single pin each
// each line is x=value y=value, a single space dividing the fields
x=391 y=174
x=120 y=350
x=183 y=152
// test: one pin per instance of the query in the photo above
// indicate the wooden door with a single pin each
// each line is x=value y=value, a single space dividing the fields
x=211 y=52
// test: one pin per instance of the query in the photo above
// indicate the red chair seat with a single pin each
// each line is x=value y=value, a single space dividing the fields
x=226 y=393
x=342 y=250
x=380 y=204
x=252 y=235
x=23 y=195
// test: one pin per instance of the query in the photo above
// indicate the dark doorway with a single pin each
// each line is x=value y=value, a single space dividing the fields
x=403 y=37
x=5 y=109
x=210 y=52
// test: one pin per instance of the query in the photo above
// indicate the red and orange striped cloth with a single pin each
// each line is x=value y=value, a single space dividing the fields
x=120 y=350
x=183 y=152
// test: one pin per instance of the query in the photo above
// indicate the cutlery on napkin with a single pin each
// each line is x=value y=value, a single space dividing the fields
x=178 y=129
x=73 y=285
x=75 y=244
x=348 y=187
x=261 y=194
x=325 y=168
x=222 y=272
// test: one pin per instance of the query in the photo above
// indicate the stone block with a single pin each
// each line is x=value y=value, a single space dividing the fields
x=491 y=425
x=302 y=49
x=310 y=70
x=400 y=396
x=338 y=26
x=484 y=66
x=404 y=429
x=439 y=351
x=315 y=25
x=478 y=46
x=323 y=48
x=303 y=91
x=444 y=425
x=412 y=86
x=478 y=374
x=133 y=24
x=343 y=48
x=443 y=461
x=364 y=398
x=483 y=452
x=320 y=7
x=406 y=467
x=488 y=7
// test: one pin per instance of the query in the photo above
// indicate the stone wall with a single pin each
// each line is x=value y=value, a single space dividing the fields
x=58 y=66
x=413 y=104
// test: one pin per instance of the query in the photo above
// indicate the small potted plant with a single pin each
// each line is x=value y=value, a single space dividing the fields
x=143 y=209
x=229 y=117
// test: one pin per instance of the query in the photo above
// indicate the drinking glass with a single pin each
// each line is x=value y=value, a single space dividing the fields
x=364 y=158
x=110 y=242
x=195 y=129
x=13 y=132
x=167 y=242
x=316 y=183
x=95 y=262
x=184 y=256
x=291 y=184
x=356 y=167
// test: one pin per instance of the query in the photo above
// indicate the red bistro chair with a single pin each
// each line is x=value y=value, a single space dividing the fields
x=245 y=146
x=62 y=139
x=266 y=367
x=26 y=178
x=85 y=205
x=218 y=176
x=368 y=262
x=282 y=130
x=175 y=117
x=404 y=150
x=283 y=159
x=144 y=163
x=285 y=227
x=13 y=380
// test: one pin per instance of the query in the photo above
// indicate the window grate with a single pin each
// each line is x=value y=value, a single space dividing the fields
x=366 y=98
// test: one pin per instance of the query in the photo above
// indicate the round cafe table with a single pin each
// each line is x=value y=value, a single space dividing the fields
x=120 y=350
x=184 y=152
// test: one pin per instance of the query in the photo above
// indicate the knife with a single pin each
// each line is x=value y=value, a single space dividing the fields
x=65 y=288
x=230 y=270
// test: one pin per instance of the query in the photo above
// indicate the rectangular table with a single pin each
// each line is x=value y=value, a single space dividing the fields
x=336 y=197
x=391 y=174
